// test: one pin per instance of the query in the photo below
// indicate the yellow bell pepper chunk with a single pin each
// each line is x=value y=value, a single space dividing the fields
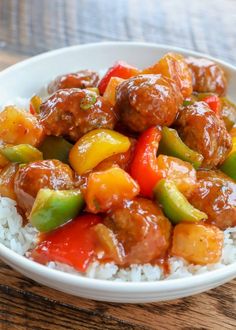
x=94 y=147
x=233 y=145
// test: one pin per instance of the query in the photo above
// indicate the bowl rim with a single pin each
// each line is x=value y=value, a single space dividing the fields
x=58 y=51
x=98 y=284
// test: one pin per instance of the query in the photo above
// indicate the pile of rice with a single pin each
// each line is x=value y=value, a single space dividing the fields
x=21 y=239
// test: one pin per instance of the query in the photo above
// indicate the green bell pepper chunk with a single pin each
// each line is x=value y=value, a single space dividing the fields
x=53 y=208
x=229 y=166
x=175 y=206
x=21 y=153
x=54 y=147
x=172 y=145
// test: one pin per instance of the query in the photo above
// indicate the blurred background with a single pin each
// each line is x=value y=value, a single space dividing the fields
x=29 y=27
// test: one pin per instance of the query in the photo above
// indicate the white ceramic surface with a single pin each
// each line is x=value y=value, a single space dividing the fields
x=23 y=80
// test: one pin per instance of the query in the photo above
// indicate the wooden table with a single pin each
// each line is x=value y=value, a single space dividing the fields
x=29 y=27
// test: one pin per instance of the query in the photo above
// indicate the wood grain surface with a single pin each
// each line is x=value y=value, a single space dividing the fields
x=29 y=27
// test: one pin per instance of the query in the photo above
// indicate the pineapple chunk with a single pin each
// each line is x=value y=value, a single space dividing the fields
x=19 y=127
x=198 y=243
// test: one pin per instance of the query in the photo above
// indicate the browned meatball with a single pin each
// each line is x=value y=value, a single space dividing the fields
x=30 y=178
x=216 y=196
x=81 y=79
x=148 y=100
x=142 y=229
x=207 y=76
x=74 y=112
x=202 y=130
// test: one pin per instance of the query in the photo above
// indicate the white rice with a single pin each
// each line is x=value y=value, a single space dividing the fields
x=21 y=239
x=12 y=234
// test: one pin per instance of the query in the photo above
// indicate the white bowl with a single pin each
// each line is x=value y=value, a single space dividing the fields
x=22 y=80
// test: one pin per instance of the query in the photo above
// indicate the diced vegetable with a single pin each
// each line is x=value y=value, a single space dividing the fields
x=229 y=165
x=19 y=127
x=123 y=159
x=110 y=92
x=180 y=172
x=144 y=168
x=72 y=244
x=202 y=96
x=174 y=67
x=176 y=207
x=52 y=208
x=197 y=243
x=195 y=97
x=88 y=101
x=94 y=89
x=108 y=189
x=228 y=112
x=109 y=243
x=119 y=69
x=7 y=176
x=56 y=147
x=3 y=161
x=187 y=102
x=213 y=102
x=35 y=103
x=21 y=153
x=96 y=146
x=172 y=145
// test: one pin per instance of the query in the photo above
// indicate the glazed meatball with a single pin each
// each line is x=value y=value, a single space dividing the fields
x=142 y=229
x=30 y=178
x=202 y=130
x=81 y=79
x=216 y=196
x=147 y=100
x=74 y=112
x=207 y=76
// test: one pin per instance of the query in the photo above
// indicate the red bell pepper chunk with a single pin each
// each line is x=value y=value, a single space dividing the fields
x=119 y=69
x=213 y=102
x=72 y=244
x=144 y=168
x=31 y=109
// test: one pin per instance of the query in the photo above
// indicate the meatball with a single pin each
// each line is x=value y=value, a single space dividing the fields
x=203 y=131
x=147 y=100
x=81 y=79
x=216 y=196
x=30 y=178
x=207 y=76
x=142 y=229
x=74 y=112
